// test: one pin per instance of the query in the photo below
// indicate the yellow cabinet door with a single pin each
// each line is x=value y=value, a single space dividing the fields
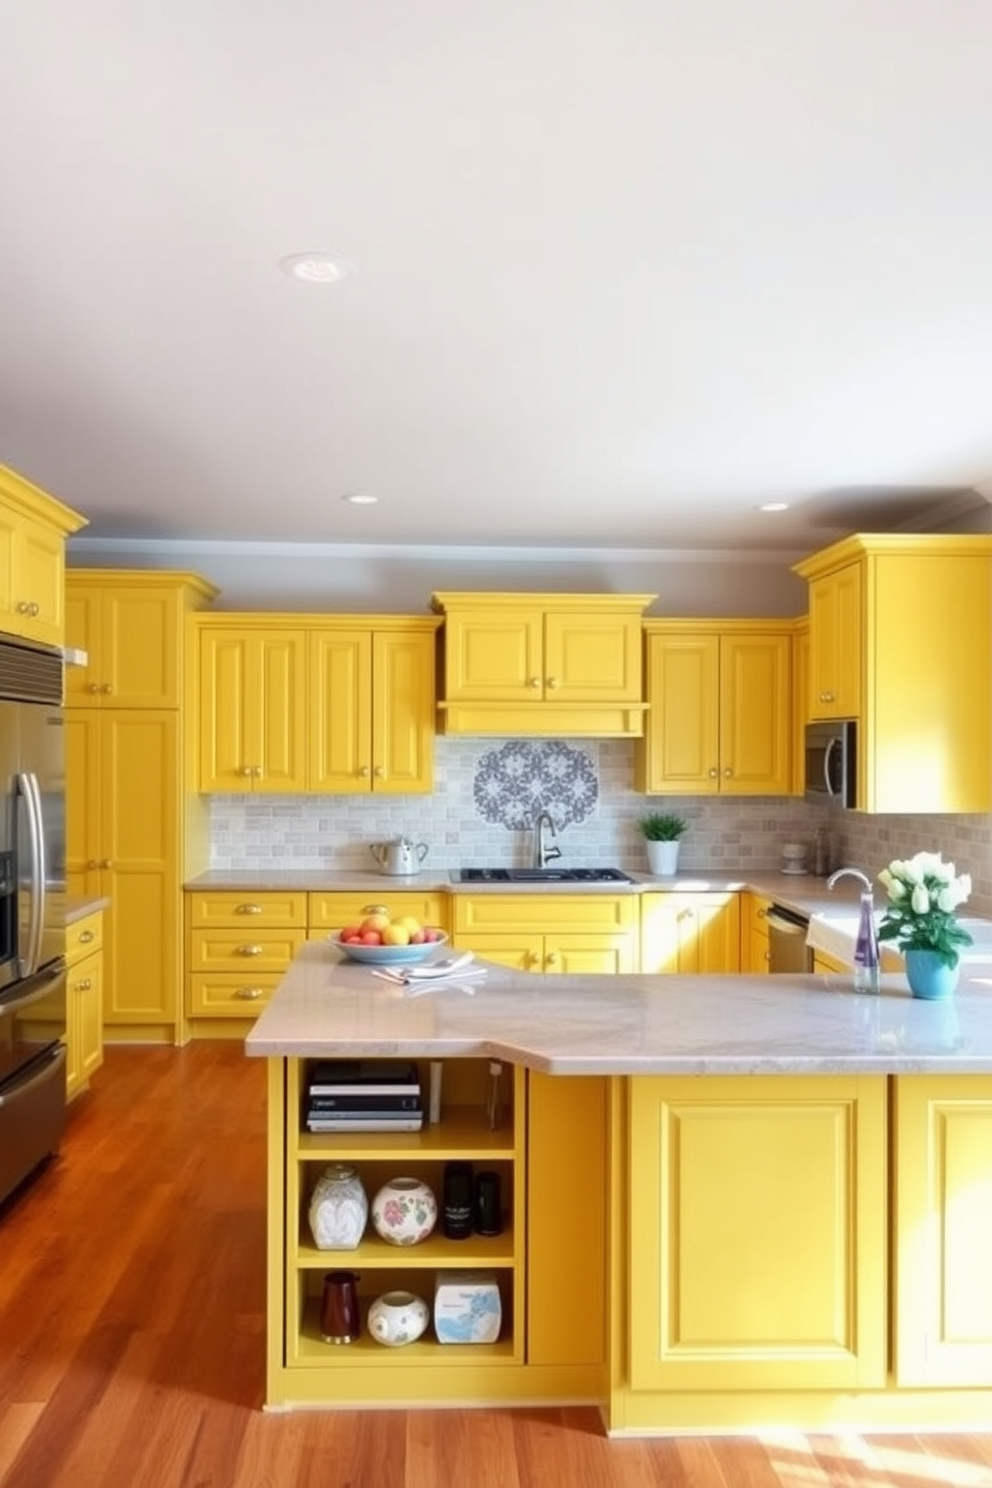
x=606 y=955
x=521 y=952
x=590 y=657
x=131 y=628
x=800 y=705
x=84 y=1023
x=122 y=841
x=754 y=932
x=31 y=579
x=340 y=667
x=690 y=933
x=403 y=712
x=495 y=655
x=566 y=1261
x=719 y=719
x=757 y=1230
x=252 y=691
x=836 y=639
x=755 y=715
x=943 y=1228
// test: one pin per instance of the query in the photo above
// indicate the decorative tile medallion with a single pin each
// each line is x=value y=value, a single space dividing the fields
x=516 y=781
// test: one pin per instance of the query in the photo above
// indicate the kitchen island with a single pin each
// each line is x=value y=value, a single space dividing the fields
x=727 y=1200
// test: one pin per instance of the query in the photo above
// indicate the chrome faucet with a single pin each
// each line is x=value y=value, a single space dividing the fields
x=543 y=852
x=862 y=878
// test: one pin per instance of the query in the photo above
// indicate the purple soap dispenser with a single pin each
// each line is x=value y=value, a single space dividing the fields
x=866 y=941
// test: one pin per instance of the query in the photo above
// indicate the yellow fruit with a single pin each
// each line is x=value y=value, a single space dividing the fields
x=409 y=922
x=374 y=922
x=396 y=935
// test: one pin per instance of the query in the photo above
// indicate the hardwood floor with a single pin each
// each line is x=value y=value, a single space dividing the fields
x=131 y=1335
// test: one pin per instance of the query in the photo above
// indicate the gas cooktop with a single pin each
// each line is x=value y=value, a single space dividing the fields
x=540 y=875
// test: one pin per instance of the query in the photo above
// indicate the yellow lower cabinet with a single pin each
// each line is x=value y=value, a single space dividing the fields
x=554 y=933
x=690 y=933
x=330 y=912
x=943 y=1229
x=754 y=933
x=567 y=1282
x=757 y=1224
x=238 y=945
x=84 y=1001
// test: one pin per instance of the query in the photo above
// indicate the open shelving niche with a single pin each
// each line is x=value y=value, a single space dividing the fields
x=461 y=1134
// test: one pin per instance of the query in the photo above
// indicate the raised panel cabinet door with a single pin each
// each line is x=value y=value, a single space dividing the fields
x=522 y=952
x=494 y=656
x=604 y=955
x=9 y=527
x=88 y=976
x=139 y=648
x=403 y=713
x=755 y=717
x=82 y=631
x=591 y=657
x=943 y=1228
x=757 y=1232
x=836 y=641
x=690 y=933
x=139 y=857
x=800 y=707
x=340 y=729
x=39 y=582
x=252 y=710
x=682 y=739
x=279 y=674
x=83 y=800
x=225 y=745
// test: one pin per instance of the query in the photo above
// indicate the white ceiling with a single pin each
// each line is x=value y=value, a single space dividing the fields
x=623 y=269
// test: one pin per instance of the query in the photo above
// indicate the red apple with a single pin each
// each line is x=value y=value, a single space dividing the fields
x=418 y=937
x=432 y=934
x=371 y=937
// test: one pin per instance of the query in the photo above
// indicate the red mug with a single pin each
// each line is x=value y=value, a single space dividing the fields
x=340 y=1320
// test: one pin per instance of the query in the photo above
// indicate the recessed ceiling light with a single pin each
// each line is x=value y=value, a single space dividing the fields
x=317 y=267
x=359 y=498
x=773 y=506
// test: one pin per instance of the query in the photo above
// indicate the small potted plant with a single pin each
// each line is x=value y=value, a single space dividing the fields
x=662 y=832
x=924 y=893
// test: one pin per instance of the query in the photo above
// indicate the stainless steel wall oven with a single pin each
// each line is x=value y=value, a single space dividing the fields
x=32 y=909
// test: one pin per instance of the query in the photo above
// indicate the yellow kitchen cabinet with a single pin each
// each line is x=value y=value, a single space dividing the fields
x=555 y=665
x=757 y=1239
x=690 y=933
x=371 y=706
x=922 y=657
x=943 y=1227
x=553 y=933
x=123 y=834
x=131 y=626
x=800 y=703
x=238 y=946
x=567 y=1282
x=252 y=705
x=754 y=932
x=720 y=721
x=84 y=1001
x=33 y=530
x=331 y=911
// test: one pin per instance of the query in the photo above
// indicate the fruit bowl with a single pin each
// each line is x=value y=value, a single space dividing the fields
x=389 y=955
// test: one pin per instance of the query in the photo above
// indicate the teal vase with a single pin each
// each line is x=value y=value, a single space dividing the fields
x=929 y=975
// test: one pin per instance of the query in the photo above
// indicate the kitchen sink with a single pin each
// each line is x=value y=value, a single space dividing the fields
x=541 y=875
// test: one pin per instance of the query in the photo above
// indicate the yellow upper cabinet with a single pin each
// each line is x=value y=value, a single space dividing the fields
x=130 y=626
x=252 y=706
x=33 y=530
x=311 y=703
x=720 y=697
x=836 y=644
x=371 y=706
x=542 y=664
x=922 y=652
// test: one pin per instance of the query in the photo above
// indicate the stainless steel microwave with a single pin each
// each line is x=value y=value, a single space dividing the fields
x=831 y=762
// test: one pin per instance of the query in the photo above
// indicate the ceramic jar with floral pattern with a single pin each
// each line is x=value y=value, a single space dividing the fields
x=338 y=1208
x=404 y=1211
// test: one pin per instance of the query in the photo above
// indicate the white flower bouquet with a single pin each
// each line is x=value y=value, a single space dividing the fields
x=924 y=892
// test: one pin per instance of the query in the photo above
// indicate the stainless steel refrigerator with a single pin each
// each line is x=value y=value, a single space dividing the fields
x=32 y=910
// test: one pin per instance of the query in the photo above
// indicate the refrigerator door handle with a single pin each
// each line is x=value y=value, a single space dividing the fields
x=27 y=784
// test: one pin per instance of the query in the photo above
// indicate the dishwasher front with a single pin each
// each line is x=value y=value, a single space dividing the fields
x=787 y=948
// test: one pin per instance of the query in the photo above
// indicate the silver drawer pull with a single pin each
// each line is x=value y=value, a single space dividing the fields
x=250 y=994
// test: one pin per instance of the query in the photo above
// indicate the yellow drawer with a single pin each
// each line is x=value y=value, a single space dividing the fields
x=244 y=952
x=83 y=937
x=237 y=910
x=547 y=913
x=332 y=911
x=228 y=995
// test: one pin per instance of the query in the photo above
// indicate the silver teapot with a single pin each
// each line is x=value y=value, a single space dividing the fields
x=399 y=856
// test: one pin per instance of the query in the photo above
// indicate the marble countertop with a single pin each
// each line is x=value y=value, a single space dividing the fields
x=628 y=1025
x=78 y=906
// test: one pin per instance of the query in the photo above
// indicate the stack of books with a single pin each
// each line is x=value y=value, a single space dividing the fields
x=364 y=1095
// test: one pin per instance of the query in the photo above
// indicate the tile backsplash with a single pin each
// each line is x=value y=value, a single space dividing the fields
x=485 y=791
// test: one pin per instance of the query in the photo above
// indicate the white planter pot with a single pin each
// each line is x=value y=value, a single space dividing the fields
x=663 y=858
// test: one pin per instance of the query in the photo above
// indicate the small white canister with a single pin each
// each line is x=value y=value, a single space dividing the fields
x=467 y=1307
x=397 y=1318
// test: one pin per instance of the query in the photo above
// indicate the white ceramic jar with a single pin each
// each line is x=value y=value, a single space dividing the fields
x=339 y=1208
x=396 y=1318
x=404 y=1211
